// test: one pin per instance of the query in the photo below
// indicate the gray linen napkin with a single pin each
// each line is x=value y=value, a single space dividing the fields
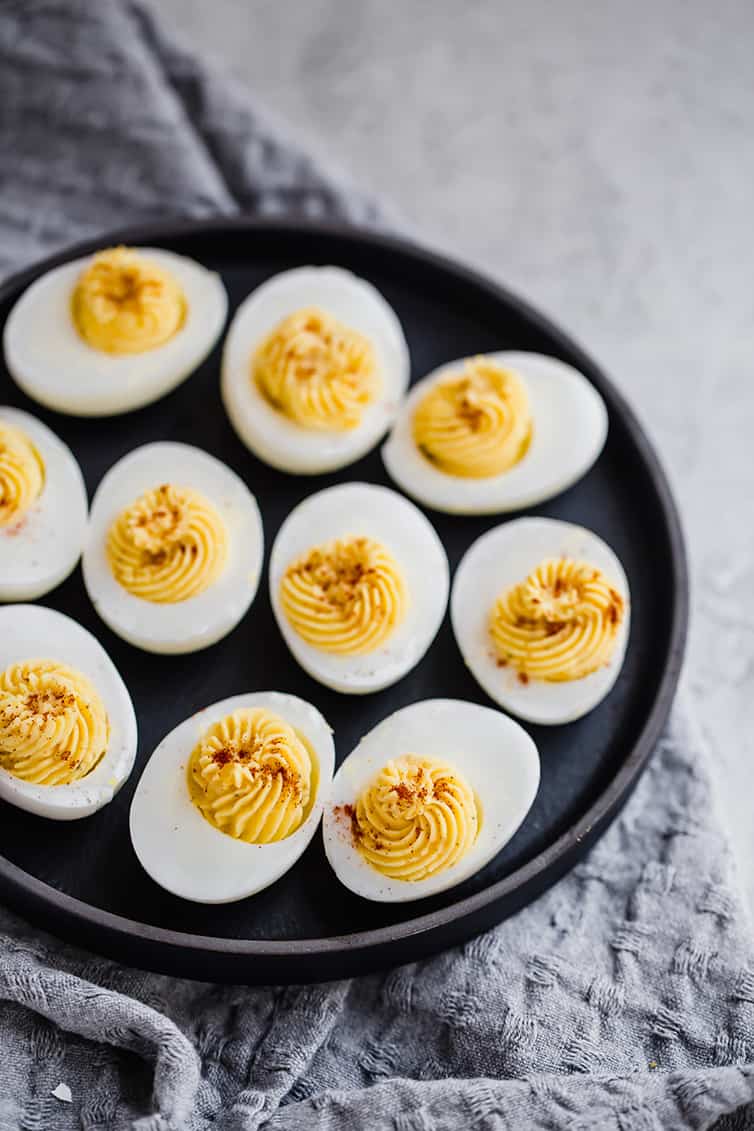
x=623 y=999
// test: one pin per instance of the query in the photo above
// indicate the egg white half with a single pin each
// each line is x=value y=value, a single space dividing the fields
x=501 y=558
x=569 y=432
x=40 y=550
x=269 y=434
x=185 y=626
x=495 y=755
x=32 y=632
x=53 y=364
x=363 y=509
x=180 y=849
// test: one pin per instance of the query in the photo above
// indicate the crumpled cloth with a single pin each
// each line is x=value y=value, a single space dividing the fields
x=622 y=999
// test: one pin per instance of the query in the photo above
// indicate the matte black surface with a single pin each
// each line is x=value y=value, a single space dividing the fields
x=307 y=925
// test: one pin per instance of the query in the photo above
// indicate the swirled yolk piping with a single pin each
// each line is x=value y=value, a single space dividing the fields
x=417 y=818
x=474 y=424
x=346 y=596
x=316 y=371
x=22 y=474
x=124 y=303
x=253 y=776
x=560 y=623
x=53 y=725
x=168 y=546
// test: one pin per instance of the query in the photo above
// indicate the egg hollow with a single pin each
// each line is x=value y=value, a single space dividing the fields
x=502 y=558
x=268 y=432
x=186 y=854
x=364 y=510
x=199 y=621
x=33 y=632
x=494 y=754
x=568 y=432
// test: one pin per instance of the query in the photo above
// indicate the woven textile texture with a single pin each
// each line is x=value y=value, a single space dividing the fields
x=623 y=999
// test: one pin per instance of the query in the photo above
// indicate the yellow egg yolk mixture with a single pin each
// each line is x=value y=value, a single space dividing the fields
x=317 y=372
x=416 y=819
x=252 y=776
x=346 y=596
x=168 y=546
x=560 y=623
x=124 y=303
x=53 y=725
x=474 y=424
x=22 y=474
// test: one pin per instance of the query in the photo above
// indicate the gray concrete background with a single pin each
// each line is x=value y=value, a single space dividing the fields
x=598 y=157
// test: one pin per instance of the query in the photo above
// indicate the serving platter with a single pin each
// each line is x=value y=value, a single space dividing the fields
x=81 y=879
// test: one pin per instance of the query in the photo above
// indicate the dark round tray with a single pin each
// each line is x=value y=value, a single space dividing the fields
x=82 y=880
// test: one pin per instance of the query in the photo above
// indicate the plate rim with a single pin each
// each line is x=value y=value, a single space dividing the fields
x=22 y=891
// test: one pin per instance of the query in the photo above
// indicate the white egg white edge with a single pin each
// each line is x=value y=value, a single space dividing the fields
x=496 y=756
x=49 y=360
x=569 y=432
x=33 y=632
x=180 y=849
x=503 y=557
x=378 y=512
x=42 y=549
x=275 y=439
x=186 y=626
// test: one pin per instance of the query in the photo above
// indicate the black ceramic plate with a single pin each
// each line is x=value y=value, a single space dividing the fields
x=82 y=880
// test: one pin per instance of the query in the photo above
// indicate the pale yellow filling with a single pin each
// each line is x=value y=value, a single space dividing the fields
x=476 y=423
x=316 y=371
x=345 y=596
x=560 y=623
x=53 y=725
x=22 y=474
x=125 y=303
x=417 y=818
x=168 y=546
x=253 y=776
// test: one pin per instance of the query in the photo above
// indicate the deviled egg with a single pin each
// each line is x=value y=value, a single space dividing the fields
x=43 y=507
x=427 y=798
x=114 y=331
x=314 y=367
x=174 y=550
x=231 y=798
x=540 y=610
x=67 y=724
x=495 y=433
x=359 y=585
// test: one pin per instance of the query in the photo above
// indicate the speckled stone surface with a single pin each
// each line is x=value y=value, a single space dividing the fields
x=598 y=157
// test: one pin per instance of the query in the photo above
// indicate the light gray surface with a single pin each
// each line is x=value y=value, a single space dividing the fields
x=599 y=157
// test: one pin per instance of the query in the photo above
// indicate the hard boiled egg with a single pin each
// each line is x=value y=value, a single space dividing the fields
x=428 y=798
x=65 y=716
x=314 y=367
x=252 y=747
x=562 y=434
x=359 y=585
x=174 y=550
x=540 y=610
x=43 y=507
x=152 y=317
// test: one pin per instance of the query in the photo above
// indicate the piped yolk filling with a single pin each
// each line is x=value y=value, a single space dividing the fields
x=124 y=303
x=561 y=623
x=54 y=727
x=418 y=818
x=346 y=596
x=168 y=546
x=253 y=776
x=22 y=474
x=474 y=424
x=316 y=371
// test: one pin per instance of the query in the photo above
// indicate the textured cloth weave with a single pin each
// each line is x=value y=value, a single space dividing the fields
x=623 y=999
